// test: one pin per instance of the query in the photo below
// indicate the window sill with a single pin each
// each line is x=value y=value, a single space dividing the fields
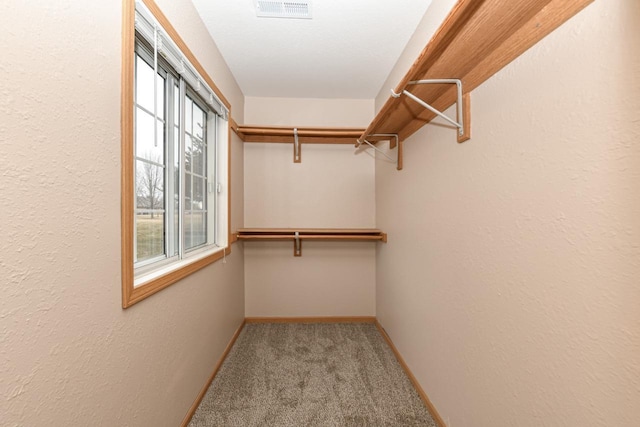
x=150 y=283
x=150 y=276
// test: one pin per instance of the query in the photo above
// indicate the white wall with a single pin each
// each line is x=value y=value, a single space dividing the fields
x=330 y=188
x=70 y=355
x=510 y=280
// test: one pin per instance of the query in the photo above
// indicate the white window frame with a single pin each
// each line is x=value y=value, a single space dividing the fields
x=142 y=19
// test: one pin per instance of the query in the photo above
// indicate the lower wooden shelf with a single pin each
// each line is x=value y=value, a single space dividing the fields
x=297 y=235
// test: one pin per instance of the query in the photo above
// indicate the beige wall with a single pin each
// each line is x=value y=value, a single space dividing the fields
x=69 y=354
x=308 y=112
x=331 y=188
x=517 y=306
x=329 y=279
x=431 y=21
x=510 y=280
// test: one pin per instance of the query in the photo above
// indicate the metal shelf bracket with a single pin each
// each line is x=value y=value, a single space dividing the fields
x=297 y=245
x=394 y=141
x=296 y=147
x=462 y=105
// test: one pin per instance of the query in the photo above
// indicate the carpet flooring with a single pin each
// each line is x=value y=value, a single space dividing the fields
x=293 y=374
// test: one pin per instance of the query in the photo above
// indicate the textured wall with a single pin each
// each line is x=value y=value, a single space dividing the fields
x=69 y=354
x=331 y=188
x=308 y=112
x=431 y=21
x=330 y=279
x=510 y=280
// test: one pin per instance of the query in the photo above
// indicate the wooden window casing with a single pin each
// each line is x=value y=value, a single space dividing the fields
x=132 y=294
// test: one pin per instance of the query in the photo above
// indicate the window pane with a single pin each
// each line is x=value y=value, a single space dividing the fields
x=198 y=194
x=197 y=155
x=187 y=230
x=188 y=194
x=149 y=186
x=176 y=195
x=198 y=121
x=160 y=110
x=149 y=235
x=144 y=84
x=188 y=117
x=144 y=87
x=176 y=104
x=145 y=145
x=188 y=150
x=196 y=231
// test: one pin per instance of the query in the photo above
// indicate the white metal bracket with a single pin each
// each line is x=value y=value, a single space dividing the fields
x=297 y=245
x=461 y=105
x=395 y=142
x=296 y=146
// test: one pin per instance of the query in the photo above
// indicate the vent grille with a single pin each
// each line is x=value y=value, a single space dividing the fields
x=284 y=9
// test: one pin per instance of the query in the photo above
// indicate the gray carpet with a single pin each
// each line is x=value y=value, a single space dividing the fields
x=292 y=374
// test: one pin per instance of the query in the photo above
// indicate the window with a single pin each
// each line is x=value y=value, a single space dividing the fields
x=175 y=158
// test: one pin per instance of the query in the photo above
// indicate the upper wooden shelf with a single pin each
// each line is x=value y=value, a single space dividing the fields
x=306 y=135
x=311 y=233
x=298 y=234
x=477 y=39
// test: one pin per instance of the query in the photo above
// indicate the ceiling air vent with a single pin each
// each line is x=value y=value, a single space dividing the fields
x=300 y=9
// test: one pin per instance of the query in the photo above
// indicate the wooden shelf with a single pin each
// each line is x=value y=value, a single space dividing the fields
x=478 y=38
x=298 y=234
x=306 y=135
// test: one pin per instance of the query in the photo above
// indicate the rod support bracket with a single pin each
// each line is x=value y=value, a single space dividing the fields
x=394 y=141
x=462 y=105
x=296 y=147
x=297 y=245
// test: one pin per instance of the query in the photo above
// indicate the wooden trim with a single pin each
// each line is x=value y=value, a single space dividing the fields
x=230 y=234
x=312 y=237
x=130 y=294
x=476 y=40
x=432 y=409
x=309 y=234
x=306 y=135
x=149 y=288
x=327 y=319
x=309 y=230
x=466 y=114
x=216 y=368
x=126 y=147
x=297 y=235
x=234 y=125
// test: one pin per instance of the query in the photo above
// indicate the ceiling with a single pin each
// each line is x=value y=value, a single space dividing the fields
x=346 y=50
